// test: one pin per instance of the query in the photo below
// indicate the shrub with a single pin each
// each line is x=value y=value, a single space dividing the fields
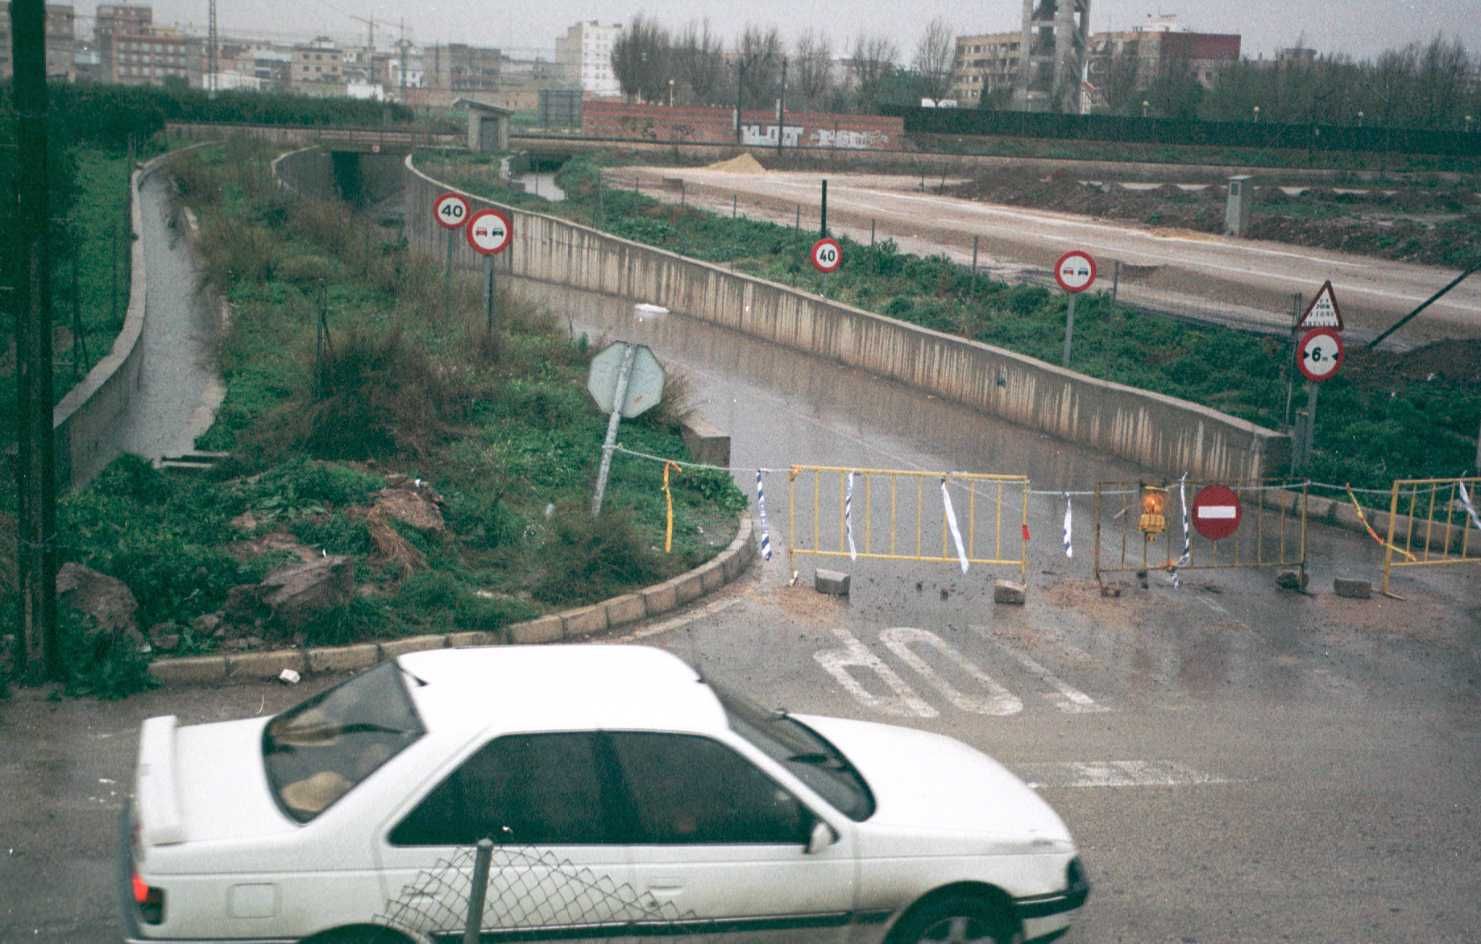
x=102 y=664
x=590 y=558
x=336 y=534
x=476 y=612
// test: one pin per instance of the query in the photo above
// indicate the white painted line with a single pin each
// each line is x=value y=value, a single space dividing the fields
x=1000 y=701
x=1225 y=512
x=1115 y=773
x=1065 y=697
x=678 y=622
x=855 y=655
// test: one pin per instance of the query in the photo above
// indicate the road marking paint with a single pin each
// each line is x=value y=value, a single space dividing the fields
x=1065 y=697
x=1000 y=701
x=678 y=622
x=854 y=654
x=1116 y=773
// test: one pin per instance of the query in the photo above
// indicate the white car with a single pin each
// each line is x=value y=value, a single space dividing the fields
x=629 y=799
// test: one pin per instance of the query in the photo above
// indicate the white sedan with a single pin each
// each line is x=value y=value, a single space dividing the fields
x=628 y=798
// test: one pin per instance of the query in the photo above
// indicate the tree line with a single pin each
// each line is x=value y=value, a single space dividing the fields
x=695 y=66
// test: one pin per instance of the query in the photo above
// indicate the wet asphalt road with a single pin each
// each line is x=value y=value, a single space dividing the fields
x=1237 y=763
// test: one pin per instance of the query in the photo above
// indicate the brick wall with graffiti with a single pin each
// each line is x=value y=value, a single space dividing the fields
x=699 y=125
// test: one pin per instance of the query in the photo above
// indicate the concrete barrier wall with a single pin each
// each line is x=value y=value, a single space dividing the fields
x=1162 y=433
x=85 y=423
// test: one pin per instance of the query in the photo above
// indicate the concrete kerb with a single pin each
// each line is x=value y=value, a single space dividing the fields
x=556 y=627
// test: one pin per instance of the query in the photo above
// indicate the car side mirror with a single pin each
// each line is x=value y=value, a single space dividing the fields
x=821 y=837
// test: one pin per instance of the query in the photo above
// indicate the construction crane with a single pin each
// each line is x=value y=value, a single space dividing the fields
x=369 y=46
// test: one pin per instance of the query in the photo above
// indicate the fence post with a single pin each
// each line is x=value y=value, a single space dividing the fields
x=478 y=891
x=1116 y=280
x=974 y=257
x=732 y=206
x=797 y=221
x=871 y=234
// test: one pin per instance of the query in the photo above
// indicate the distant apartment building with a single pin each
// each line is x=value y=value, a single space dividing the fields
x=459 y=67
x=986 y=64
x=584 y=55
x=272 y=66
x=1159 y=45
x=118 y=19
x=152 y=58
x=317 y=68
x=61 y=45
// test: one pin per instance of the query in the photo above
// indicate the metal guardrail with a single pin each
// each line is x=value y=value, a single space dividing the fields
x=866 y=514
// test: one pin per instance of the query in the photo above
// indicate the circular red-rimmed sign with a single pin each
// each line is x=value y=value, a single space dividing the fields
x=490 y=231
x=1216 y=512
x=1075 y=271
x=1319 y=354
x=826 y=255
x=450 y=210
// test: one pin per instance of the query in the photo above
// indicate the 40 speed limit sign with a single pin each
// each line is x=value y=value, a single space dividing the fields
x=826 y=255
x=1319 y=354
x=450 y=210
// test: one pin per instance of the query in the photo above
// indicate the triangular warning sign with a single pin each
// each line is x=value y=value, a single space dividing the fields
x=1323 y=311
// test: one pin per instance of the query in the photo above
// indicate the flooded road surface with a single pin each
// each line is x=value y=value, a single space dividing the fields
x=181 y=386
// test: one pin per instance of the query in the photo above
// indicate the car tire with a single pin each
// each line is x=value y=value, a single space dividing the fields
x=363 y=934
x=958 y=919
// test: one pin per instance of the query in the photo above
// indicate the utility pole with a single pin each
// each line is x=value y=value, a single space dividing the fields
x=369 y=48
x=402 y=46
x=781 y=109
x=213 y=64
x=740 y=84
x=36 y=559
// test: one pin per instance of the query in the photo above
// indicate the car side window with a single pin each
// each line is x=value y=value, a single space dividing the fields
x=693 y=790
x=536 y=789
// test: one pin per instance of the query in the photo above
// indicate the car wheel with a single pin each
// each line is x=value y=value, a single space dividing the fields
x=957 y=920
x=364 y=934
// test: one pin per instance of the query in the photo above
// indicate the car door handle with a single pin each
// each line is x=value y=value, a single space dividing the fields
x=666 y=887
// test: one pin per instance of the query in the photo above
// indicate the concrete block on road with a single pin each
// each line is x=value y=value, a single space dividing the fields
x=832 y=582
x=400 y=647
x=264 y=665
x=1353 y=588
x=584 y=621
x=344 y=658
x=194 y=670
x=625 y=609
x=535 y=631
x=660 y=598
x=1009 y=593
x=1292 y=580
x=708 y=444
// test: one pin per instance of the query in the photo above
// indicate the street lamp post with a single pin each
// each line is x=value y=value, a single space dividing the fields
x=1360 y=119
x=1145 y=105
x=1257 y=114
x=671 y=93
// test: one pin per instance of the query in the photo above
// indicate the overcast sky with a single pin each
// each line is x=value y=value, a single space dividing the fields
x=1358 y=27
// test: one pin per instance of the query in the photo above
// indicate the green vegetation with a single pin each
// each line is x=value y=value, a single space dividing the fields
x=1382 y=418
x=505 y=432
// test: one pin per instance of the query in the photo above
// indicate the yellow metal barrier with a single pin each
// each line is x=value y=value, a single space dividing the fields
x=1139 y=528
x=1424 y=538
x=892 y=512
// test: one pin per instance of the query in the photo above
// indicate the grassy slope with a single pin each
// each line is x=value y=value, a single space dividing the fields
x=1382 y=418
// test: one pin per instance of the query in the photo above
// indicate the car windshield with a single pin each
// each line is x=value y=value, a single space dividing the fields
x=805 y=752
x=318 y=751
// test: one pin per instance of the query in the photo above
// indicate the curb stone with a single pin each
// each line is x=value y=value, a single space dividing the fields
x=628 y=608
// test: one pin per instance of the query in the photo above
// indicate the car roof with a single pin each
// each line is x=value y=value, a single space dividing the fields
x=560 y=688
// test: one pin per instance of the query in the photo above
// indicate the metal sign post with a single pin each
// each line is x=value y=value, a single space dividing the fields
x=625 y=380
x=1075 y=272
x=490 y=232
x=1318 y=357
x=450 y=211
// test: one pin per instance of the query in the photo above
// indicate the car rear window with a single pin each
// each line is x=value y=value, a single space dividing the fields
x=320 y=750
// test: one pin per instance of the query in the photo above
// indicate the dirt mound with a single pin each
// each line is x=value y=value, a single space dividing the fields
x=740 y=164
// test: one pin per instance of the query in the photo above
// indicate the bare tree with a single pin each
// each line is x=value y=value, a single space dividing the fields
x=873 y=60
x=758 y=60
x=812 y=60
x=935 y=58
x=699 y=63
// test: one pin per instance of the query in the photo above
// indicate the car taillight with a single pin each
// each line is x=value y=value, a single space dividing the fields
x=151 y=900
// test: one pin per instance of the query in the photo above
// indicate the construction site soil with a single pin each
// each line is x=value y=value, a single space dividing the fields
x=1433 y=225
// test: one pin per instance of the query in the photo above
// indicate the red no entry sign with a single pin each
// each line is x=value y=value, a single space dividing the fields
x=1075 y=271
x=826 y=255
x=450 y=210
x=490 y=231
x=1216 y=512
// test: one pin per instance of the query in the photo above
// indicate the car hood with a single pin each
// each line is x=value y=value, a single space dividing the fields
x=925 y=782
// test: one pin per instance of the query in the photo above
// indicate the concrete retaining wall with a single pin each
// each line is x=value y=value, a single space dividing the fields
x=86 y=421
x=1159 y=432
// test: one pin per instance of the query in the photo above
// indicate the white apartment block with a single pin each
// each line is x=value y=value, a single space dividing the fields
x=585 y=57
